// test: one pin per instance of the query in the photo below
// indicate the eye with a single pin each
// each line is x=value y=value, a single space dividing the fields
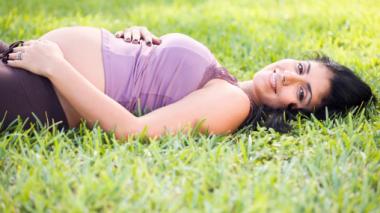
x=301 y=94
x=300 y=68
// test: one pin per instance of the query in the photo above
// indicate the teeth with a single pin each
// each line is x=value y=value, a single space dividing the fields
x=274 y=82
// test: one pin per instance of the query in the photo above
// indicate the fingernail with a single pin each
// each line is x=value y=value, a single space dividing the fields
x=149 y=43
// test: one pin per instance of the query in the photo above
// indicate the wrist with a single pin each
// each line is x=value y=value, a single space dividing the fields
x=55 y=68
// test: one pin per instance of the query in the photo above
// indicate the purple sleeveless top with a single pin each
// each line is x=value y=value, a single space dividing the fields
x=143 y=78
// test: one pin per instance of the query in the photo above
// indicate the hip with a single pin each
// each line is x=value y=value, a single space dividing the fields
x=29 y=96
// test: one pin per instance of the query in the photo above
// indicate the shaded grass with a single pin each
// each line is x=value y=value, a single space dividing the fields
x=321 y=166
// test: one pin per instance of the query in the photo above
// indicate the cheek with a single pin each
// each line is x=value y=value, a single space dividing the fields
x=286 y=97
x=260 y=85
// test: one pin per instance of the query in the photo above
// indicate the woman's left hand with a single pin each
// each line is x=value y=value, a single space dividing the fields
x=136 y=34
x=40 y=57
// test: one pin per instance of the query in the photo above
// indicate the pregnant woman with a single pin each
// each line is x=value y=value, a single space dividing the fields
x=87 y=73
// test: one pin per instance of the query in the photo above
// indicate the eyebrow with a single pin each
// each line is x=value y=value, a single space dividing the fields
x=308 y=84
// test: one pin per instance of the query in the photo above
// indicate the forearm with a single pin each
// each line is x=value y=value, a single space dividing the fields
x=91 y=103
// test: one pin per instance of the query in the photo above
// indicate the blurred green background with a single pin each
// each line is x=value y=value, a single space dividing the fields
x=331 y=166
x=245 y=35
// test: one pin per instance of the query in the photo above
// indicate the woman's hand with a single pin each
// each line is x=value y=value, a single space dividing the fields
x=136 y=34
x=40 y=57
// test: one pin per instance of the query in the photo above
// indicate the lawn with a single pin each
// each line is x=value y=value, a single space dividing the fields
x=330 y=166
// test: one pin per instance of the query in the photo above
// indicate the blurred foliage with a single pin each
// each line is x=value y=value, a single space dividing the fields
x=330 y=166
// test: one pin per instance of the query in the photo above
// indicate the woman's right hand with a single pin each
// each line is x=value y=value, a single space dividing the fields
x=136 y=34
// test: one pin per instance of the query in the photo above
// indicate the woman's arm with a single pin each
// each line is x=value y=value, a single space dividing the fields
x=222 y=106
x=44 y=58
x=91 y=103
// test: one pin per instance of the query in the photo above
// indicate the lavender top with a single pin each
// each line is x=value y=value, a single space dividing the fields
x=143 y=78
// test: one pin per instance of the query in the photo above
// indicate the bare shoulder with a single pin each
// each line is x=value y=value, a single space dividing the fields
x=229 y=100
x=229 y=90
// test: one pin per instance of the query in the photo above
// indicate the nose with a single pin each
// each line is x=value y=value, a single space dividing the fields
x=289 y=78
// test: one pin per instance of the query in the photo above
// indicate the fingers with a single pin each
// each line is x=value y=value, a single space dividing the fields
x=19 y=49
x=15 y=63
x=147 y=36
x=127 y=35
x=119 y=34
x=156 y=40
x=136 y=36
x=14 y=56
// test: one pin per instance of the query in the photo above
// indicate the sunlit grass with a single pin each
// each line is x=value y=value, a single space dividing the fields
x=331 y=166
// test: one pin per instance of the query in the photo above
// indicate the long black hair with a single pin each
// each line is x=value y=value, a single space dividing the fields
x=347 y=92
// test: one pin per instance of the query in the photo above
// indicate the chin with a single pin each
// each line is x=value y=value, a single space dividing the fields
x=259 y=86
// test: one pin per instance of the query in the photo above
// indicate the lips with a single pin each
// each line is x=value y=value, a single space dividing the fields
x=273 y=81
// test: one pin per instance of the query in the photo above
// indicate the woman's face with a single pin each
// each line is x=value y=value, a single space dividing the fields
x=292 y=83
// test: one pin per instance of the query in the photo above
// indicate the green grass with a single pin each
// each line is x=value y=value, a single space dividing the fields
x=331 y=166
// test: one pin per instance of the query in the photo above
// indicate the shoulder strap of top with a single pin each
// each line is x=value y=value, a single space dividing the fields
x=213 y=71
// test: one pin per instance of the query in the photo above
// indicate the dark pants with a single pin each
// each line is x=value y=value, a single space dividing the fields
x=24 y=93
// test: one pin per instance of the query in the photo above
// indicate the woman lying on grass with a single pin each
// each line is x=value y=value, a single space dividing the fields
x=87 y=73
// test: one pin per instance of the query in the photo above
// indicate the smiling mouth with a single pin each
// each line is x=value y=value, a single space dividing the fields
x=273 y=81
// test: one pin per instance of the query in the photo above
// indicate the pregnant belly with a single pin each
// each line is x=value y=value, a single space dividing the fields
x=81 y=47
